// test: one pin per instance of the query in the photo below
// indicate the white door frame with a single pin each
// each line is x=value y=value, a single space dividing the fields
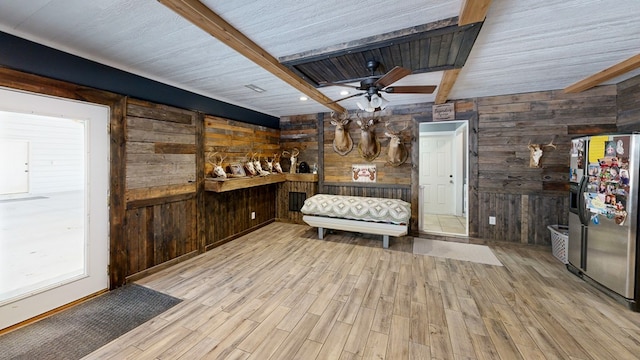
x=97 y=139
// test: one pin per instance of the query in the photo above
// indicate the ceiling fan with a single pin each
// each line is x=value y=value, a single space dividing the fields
x=373 y=85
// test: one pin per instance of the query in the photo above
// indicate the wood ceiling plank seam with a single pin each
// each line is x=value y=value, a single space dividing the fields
x=467 y=44
x=425 y=48
x=445 y=48
x=396 y=52
x=385 y=53
x=406 y=57
x=203 y=17
x=341 y=65
x=327 y=70
x=371 y=43
x=390 y=36
x=454 y=50
x=415 y=53
x=436 y=42
x=304 y=74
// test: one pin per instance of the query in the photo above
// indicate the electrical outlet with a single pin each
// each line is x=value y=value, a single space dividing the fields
x=253 y=215
x=492 y=220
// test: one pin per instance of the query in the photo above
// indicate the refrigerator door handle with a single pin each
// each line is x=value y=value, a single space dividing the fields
x=582 y=211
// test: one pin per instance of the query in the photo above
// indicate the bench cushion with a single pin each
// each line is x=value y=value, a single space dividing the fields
x=358 y=208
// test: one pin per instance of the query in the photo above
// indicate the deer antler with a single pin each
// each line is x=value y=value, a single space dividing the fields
x=550 y=144
x=393 y=131
x=221 y=159
x=295 y=152
x=285 y=153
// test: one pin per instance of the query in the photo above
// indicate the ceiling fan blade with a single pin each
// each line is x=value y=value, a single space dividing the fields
x=337 y=84
x=426 y=89
x=348 y=97
x=392 y=76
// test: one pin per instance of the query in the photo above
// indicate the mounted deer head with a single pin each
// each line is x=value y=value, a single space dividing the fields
x=276 y=163
x=293 y=158
x=369 y=146
x=535 y=153
x=216 y=160
x=397 y=153
x=342 y=143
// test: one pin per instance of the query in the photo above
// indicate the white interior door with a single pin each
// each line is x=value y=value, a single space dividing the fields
x=90 y=212
x=14 y=166
x=436 y=174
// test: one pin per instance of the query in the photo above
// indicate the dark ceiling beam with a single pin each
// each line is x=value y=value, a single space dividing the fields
x=473 y=11
x=203 y=17
x=609 y=73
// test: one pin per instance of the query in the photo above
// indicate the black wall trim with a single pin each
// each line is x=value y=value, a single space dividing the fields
x=24 y=55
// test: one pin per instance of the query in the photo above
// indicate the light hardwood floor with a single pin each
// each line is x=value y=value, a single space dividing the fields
x=279 y=293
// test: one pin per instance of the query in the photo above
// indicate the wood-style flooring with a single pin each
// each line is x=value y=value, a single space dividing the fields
x=280 y=293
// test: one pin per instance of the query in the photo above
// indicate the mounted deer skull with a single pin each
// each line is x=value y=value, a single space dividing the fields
x=268 y=164
x=369 y=146
x=293 y=159
x=397 y=153
x=276 y=163
x=258 y=165
x=216 y=160
x=535 y=153
x=342 y=143
x=248 y=165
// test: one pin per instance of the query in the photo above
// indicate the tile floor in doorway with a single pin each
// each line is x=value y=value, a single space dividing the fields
x=444 y=223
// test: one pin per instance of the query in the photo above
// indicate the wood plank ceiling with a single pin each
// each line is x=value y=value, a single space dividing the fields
x=442 y=45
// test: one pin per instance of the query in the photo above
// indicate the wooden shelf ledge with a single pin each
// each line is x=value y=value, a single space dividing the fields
x=302 y=177
x=229 y=184
x=221 y=185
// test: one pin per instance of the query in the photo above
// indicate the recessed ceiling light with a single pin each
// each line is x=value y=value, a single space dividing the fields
x=303 y=98
x=255 y=88
x=344 y=92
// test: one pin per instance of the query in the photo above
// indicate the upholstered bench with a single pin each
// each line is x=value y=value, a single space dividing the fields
x=386 y=217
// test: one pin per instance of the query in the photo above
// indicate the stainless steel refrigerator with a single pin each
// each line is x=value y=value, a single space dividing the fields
x=603 y=218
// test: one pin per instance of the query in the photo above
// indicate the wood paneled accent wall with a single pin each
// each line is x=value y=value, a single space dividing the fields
x=300 y=131
x=236 y=139
x=282 y=207
x=337 y=168
x=228 y=214
x=525 y=200
x=162 y=183
x=629 y=105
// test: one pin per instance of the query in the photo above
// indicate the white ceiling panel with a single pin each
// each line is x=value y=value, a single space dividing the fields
x=523 y=45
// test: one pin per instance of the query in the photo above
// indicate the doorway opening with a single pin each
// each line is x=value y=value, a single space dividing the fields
x=54 y=220
x=443 y=178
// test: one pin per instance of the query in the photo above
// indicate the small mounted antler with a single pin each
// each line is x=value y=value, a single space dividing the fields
x=536 y=152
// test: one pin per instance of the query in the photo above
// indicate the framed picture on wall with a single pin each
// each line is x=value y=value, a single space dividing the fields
x=363 y=173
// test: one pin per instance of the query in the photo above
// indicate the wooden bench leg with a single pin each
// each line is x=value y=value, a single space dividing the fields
x=385 y=241
x=320 y=233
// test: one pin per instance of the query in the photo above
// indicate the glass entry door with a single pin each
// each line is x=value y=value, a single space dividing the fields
x=53 y=236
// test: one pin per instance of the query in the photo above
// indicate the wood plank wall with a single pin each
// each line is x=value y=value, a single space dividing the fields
x=629 y=105
x=526 y=200
x=161 y=185
x=523 y=214
x=228 y=214
x=300 y=131
x=282 y=205
x=337 y=168
x=235 y=139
